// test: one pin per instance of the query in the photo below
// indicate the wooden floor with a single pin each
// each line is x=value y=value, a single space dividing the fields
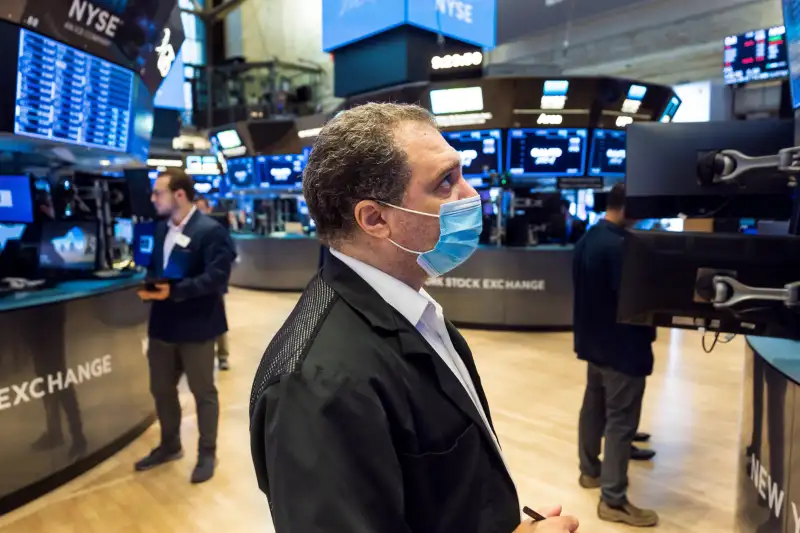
x=535 y=387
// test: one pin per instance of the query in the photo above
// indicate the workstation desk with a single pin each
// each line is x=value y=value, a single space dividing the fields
x=509 y=287
x=73 y=382
x=277 y=263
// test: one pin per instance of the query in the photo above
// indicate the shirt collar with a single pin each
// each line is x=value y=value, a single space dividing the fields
x=405 y=300
x=185 y=221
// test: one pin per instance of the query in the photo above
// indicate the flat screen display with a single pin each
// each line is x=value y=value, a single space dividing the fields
x=280 y=171
x=458 y=100
x=791 y=21
x=480 y=151
x=546 y=152
x=10 y=232
x=229 y=139
x=240 y=172
x=16 y=201
x=608 y=153
x=68 y=245
x=123 y=230
x=756 y=55
x=208 y=184
x=69 y=96
x=672 y=108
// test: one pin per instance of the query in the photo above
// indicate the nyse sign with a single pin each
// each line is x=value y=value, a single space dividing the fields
x=489 y=284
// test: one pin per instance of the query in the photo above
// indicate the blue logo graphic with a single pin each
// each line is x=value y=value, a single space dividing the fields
x=471 y=21
x=347 y=21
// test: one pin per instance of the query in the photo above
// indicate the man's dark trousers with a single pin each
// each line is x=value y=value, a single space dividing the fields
x=167 y=362
x=612 y=407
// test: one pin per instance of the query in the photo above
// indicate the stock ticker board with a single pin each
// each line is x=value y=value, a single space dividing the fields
x=69 y=96
x=756 y=56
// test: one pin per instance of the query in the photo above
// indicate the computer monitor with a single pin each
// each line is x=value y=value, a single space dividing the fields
x=10 y=232
x=123 y=230
x=140 y=191
x=280 y=171
x=667 y=280
x=16 y=199
x=240 y=173
x=662 y=179
x=534 y=153
x=608 y=153
x=481 y=154
x=756 y=55
x=68 y=245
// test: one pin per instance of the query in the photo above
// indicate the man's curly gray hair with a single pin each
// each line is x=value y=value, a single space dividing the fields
x=355 y=158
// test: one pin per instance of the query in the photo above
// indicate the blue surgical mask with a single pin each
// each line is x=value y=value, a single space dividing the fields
x=460 y=226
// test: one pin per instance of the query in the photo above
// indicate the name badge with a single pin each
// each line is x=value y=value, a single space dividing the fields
x=182 y=240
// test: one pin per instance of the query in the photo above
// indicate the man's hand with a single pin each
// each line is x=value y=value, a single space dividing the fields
x=555 y=523
x=161 y=293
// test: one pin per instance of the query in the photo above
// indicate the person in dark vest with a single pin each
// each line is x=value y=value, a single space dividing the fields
x=367 y=411
x=619 y=356
x=192 y=258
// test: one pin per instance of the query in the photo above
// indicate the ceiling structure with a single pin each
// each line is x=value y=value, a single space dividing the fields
x=660 y=41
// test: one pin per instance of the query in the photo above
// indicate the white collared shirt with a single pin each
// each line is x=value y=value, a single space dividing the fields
x=420 y=309
x=173 y=230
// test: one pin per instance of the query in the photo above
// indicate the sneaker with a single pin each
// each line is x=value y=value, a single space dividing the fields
x=639 y=454
x=158 y=457
x=224 y=365
x=627 y=513
x=204 y=469
x=589 y=482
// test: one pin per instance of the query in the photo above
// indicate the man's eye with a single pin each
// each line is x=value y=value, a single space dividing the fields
x=447 y=182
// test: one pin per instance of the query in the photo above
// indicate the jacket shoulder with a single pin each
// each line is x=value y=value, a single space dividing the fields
x=290 y=346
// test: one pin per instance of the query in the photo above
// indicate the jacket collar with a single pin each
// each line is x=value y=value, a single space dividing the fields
x=358 y=294
x=615 y=228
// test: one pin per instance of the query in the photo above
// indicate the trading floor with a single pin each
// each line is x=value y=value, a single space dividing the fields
x=534 y=385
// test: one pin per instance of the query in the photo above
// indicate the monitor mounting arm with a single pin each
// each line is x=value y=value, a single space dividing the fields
x=729 y=166
x=729 y=292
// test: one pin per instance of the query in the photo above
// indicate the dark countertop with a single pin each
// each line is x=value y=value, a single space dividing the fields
x=70 y=290
x=783 y=354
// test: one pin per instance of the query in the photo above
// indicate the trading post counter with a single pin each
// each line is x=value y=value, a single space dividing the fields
x=504 y=287
x=278 y=263
x=73 y=382
x=768 y=473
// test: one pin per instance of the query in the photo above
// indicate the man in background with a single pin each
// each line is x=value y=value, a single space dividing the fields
x=619 y=357
x=190 y=267
x=223 y=352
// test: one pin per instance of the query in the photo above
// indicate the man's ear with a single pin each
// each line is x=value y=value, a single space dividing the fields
x=369 y=216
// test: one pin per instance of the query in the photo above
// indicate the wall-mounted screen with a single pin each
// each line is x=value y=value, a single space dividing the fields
x=546 y=152
x=457 y=100
x=608 y=153
x=208 y=184
x=480 y=151
x=791 y=21
x=240 y=172
x=69 y=96
x=280 y=171
x=16 y=201
x=756 y=55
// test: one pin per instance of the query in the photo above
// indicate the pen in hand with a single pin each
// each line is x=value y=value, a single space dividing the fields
x=533 y=514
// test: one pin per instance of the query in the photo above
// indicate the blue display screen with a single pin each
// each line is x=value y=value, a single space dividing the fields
x=480 y=151
x=546 y=152
x=791 y=21
x=280 y=171
x=69 y=96
x=240 y=172
x=68 y=245
x=347 y=21
x=672 y=108
x=756 y=55
x=470 y=21
x=608 y=153
x=16 y=201
x=10 y=232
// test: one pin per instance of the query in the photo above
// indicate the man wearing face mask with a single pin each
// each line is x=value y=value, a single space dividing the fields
x=619 y=356
x=367 y=411
x=189 y=271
